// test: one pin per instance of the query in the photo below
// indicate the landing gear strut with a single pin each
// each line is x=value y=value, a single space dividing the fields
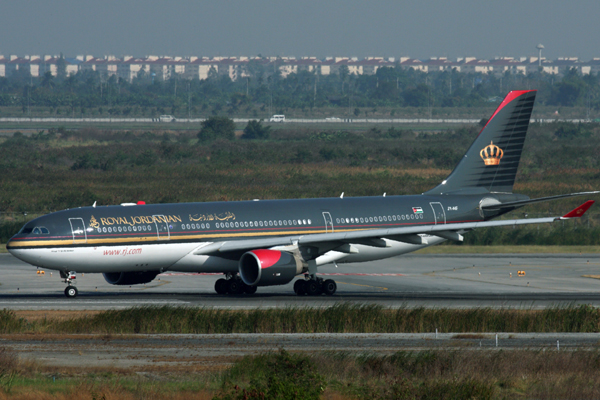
x=314 y=286
x=68 y=278
x=233 y=284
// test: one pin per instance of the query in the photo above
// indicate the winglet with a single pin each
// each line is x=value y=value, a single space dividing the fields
x=579 y=211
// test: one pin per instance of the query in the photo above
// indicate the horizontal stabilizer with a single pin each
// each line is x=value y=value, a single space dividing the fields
x=521 y=203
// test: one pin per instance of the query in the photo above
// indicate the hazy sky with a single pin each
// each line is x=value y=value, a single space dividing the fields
x=360 y=28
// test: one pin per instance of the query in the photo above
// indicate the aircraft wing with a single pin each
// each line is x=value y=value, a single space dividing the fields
x=374 y=237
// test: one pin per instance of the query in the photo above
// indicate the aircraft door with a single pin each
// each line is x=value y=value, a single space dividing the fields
x=78 y=230
x=438 y=212
x=328 y=222
x=162 y=227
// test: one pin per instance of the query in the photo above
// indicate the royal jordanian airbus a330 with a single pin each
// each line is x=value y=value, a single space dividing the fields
x=262 y=243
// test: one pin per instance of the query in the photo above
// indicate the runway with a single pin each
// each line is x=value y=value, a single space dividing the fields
x=442 y=281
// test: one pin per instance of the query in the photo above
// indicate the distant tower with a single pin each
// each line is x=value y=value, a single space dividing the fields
x=540 y=47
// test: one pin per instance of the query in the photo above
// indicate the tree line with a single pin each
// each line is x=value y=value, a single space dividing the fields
x=90 y=93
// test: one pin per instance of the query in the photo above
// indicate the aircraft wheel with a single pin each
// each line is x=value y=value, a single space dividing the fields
x=221 y=286
x=313 y=288
x=300 y=287
x=329 y=287
x=234 y=286
x=71 y=291
x=250 y=289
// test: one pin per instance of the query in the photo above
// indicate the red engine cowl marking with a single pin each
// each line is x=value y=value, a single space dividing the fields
x=267 y=258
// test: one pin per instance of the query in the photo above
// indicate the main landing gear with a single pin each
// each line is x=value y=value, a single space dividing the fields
x=233 y=284
x=314 y=286
x=68 y=278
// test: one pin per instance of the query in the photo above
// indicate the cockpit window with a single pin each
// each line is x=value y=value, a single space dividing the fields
x=40 y=230
x=26 y=230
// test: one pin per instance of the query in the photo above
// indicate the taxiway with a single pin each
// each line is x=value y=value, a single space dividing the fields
x=442 y=281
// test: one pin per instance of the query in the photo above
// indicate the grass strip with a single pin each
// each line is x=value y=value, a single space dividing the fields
x=432 y=374
x=340 y=318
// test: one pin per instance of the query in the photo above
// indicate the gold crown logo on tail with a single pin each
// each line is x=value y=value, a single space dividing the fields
x=491 y=154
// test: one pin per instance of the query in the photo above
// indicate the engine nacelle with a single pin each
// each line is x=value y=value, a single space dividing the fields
x=269 y=267
x=129 y=278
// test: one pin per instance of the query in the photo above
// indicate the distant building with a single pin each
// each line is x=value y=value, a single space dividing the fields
x=165 y=68
x=502 y=65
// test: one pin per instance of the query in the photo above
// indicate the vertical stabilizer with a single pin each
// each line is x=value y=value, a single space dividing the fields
x=492 y=161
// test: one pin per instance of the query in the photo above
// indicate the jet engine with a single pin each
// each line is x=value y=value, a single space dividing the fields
x=129 y=278
x=269 y=267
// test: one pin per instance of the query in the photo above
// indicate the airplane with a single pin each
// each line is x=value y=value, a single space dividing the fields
x=271 y=242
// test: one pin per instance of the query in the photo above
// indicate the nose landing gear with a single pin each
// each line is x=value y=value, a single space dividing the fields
x=68 y=278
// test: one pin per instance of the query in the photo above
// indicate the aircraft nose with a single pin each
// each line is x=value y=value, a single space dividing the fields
x=10 y=244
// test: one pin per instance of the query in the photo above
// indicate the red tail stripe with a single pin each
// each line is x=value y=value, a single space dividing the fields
x=509 y=97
